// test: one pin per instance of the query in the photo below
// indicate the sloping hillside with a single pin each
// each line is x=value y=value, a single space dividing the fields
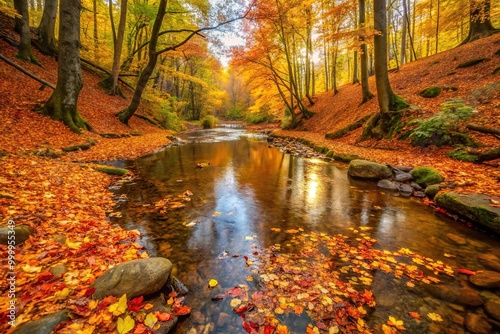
x=336 y=111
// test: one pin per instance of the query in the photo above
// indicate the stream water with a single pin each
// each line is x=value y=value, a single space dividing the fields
x=248 y=188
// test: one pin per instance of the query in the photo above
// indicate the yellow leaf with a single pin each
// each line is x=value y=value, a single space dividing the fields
x=213 y=283
x=235 y=302
x=434 y=317
x=72 y=245
x=150 y=320
x=249 y=278
x=216 y=213
x=125 y=325
x=119 y=307
x=31 y=269
x=93 y=304
x=62 y=294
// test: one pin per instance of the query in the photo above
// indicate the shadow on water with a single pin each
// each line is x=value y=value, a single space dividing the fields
x=249 y=188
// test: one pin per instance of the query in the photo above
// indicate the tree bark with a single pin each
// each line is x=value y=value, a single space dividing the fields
x=480 y=21
x=62 y=105
x=126 y=114
x=117 y=44
x=24 y=51
x=365 y=88
x=403 y=34
x=46 y=28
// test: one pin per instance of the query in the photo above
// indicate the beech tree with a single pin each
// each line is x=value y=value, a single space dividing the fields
x=480 y=21
x=22 y=23
x=62 y=105
x=46 y=28
x=117 y=45
x=365 y=88
x=389 y=103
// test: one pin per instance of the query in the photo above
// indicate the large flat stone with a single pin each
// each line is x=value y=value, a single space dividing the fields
x=134 y=278
x=44 y=325
x=368 y=170
x=475 y=207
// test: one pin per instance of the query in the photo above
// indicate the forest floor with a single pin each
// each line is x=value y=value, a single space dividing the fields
x=65 y=200
x=336 y=111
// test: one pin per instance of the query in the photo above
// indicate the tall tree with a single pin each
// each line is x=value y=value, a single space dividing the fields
x=154 y=53
x=46 y=28
x=480 y=21
x=24 y=51
x=365 y=88
x=389 y=103
x=62 y=105
x=117 y=44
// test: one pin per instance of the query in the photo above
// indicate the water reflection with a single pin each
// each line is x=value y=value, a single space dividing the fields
x=247 y=189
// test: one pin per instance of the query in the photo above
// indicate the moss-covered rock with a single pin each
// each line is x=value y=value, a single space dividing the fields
x=346 y=157
x=321 y=149
x=112 y=170
x=432 y=190
x=431 y=92
x=426 y=176
x=475 y=207
x=368 y=170
x=462 y=155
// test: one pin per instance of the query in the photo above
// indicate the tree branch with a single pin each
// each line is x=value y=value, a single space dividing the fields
x=22 y=69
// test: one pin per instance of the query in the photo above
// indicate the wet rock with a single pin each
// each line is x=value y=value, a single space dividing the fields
x=402 y=176
x=406 y=189
x=21 y=233
x=368 y=170
x=160 y=305
x=388 y=184
x=486 y=279
x=475 y=207
x=416 y=186
x=477 y=324
x=58 y=270
x=492 y=307
x=345 y=157
x=490 y=261
x=461 y=296
x=135 y=278
x=223 y=319
x=457 y=240
x=44 y=325
x=432 y=190
x=419 y=194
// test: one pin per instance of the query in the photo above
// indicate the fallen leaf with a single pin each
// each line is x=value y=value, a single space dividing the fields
x=125 y=325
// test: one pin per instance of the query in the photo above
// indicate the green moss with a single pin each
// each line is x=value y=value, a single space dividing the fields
x=330 y=154
x=432 y=190
x=431 y=92
x=398 y=103
x=462 y=155
x=426 y=176
x=306 y=142
x=346 y=157
x=321 y=149
x=112 y=170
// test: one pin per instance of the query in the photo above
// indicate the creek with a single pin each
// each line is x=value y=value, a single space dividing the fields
x=221 y=211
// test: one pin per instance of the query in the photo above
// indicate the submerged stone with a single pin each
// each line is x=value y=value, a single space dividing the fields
x=486 y=279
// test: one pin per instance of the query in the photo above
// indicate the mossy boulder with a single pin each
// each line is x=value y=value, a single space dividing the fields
x=44 y=325
x=431 y=92
x=475 y=207
x=368 y=170
x=21 y=233
x=346 y=157
x=426 y=176
x=112 y=170
x=432 y=190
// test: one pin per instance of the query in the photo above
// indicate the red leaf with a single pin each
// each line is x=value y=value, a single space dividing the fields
x=269 y=329
x=163 y=316
x=244 y=308
x=250 y=327
x=181 y=310
x=135 y=304
x=89 y=292
x=466 y=271
x=45 y=276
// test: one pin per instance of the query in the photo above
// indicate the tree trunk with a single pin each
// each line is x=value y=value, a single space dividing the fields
x=118 y=44
x=365 y=88
x=96 y=38
x=62 y=105
x=46 y=28
x=480 y=21
x=403 y=34
x=24 y=51
x=126 y=114
x=384 y=91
